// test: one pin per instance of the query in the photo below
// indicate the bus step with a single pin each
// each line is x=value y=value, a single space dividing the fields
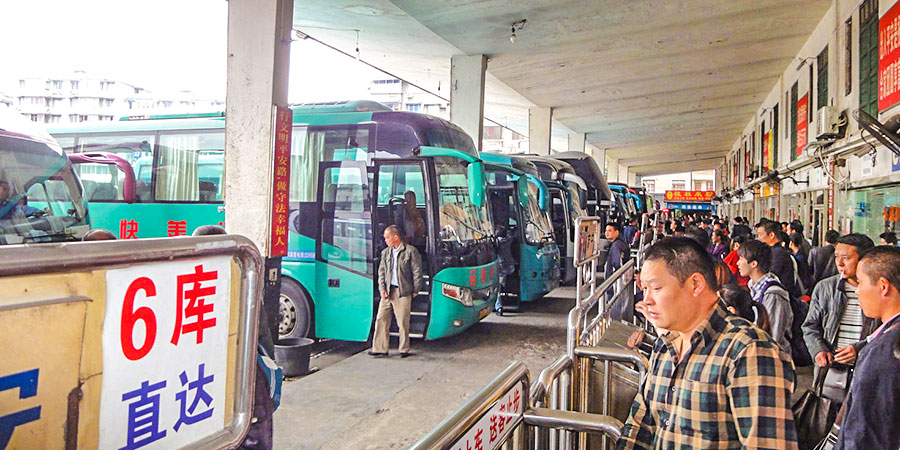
x=411 y=335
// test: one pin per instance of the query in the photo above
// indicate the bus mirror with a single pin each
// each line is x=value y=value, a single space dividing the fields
x=476 y=183
x=523 y=192
x=543 y=195
x=128 y=184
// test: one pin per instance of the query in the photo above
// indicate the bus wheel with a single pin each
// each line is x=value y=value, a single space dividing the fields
x=294 y=315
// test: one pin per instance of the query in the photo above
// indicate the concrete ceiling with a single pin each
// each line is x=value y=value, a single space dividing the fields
x=662 y=85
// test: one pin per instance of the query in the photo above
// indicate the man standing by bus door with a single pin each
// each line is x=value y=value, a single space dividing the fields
x=399 y=280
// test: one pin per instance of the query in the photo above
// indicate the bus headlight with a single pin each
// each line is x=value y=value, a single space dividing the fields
x=458 y=293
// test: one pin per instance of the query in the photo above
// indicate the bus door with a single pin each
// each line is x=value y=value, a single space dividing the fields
x=402 y=200
x=344 y=262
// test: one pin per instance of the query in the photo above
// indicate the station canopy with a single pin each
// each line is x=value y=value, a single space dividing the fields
x=663 y=86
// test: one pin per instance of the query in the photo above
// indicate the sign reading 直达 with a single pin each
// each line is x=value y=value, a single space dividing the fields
x=690 y=196
x=165 y=348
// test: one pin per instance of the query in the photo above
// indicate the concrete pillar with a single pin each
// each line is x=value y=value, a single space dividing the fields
x=623 y=174
x=599 y=156
x=467 y=94
x=576 y=142
x=539 y=130
x=259 y=36
x=612 y=169
x=632 y=179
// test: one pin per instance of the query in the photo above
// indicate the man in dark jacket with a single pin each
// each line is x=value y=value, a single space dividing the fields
x=740 y=229
x=399 y=280
x=782 y=265
x=873 y=407
x=835 y=329
x=821 y=259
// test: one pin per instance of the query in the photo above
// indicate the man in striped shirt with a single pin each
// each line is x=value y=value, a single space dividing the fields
x=715 y=380
x=835 y=328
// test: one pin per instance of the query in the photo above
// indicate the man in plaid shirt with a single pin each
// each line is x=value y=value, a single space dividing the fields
x=715 y=380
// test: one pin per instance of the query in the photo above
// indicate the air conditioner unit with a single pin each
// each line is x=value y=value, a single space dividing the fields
x=827 y=119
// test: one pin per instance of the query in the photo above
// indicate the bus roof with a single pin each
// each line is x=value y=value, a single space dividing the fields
x=516 y=161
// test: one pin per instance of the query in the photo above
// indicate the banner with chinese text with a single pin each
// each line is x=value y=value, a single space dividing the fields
x=802 y=123
x=690 y=196
x=281 y=180
x=889 y=58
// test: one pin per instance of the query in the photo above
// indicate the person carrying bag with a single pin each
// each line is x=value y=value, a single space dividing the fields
x=814 y=414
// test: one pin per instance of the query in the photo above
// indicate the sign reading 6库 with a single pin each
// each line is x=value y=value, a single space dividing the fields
x=131 y=344
x=165 y=339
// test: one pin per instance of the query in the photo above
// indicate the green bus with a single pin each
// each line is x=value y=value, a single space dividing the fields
x=519 y=204
x=356 y=167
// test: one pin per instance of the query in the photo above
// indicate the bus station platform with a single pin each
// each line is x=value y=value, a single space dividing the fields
x=363 y=402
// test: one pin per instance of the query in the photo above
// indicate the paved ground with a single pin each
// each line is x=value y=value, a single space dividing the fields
x=362 y=402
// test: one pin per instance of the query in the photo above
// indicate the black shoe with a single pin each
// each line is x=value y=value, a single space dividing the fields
x=405 y=354
x=377 y=354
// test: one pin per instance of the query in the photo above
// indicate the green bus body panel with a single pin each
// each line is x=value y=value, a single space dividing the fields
x=153 y=219
x=445 y=310
x=538 y=272
x=348 y=309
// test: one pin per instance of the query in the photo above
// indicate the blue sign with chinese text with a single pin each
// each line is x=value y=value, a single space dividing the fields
x=690 y=206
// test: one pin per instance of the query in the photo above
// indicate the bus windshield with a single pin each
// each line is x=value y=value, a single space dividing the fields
x=460 y=220
x=575 y=193
x=537 y=226
x=40 y=198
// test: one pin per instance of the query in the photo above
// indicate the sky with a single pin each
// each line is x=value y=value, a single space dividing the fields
x=160 y=45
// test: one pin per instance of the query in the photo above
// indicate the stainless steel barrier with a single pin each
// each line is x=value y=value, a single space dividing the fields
x=494 y=418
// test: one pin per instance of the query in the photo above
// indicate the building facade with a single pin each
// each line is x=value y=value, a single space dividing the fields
x=803 y=155
x=79 y=97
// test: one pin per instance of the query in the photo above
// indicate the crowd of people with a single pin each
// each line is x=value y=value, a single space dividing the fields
x=738 y=307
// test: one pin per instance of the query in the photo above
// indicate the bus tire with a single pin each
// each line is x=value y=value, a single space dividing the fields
x=295 y=314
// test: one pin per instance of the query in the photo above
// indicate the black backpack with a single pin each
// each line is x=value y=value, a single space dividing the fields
x=799 y=352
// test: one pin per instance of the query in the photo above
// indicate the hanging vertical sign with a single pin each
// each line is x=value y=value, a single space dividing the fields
x=889 y=58
x=830 y=170
x=770 y=142
x=734 y=171
x=766 y=153
x=747 y=166
x=802 y=112
x=281 y=180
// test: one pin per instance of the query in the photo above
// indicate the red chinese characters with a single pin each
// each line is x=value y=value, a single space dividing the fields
x=197 y=308
x=281 y=183
x=128 y=229
x=176 y=228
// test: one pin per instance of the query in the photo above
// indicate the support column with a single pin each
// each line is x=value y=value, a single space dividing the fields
x=467 y=94
x=632 y=179
x=539 y=130
x=612 y=170
x=259 y=36
x=599 y=156
x=577 y=141
x=623 y=174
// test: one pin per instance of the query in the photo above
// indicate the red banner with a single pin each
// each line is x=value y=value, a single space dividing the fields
x=281 y=181
x=765 y=153
x=690 y=196
x=889 y=58
x=802 y=113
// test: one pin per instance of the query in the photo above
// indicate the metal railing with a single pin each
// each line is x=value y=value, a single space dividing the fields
x=488 y=421
x=556 y=413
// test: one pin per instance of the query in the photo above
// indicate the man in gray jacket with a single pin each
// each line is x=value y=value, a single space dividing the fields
x=835 y=329
x=754 y=261
x=399 y=280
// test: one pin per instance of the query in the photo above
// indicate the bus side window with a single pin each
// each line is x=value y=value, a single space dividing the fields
x=189 y=166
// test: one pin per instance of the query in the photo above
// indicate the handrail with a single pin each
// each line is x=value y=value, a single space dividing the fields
x=637 y=360
x=575 y=421
x=456 y=425
x=550 y=373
